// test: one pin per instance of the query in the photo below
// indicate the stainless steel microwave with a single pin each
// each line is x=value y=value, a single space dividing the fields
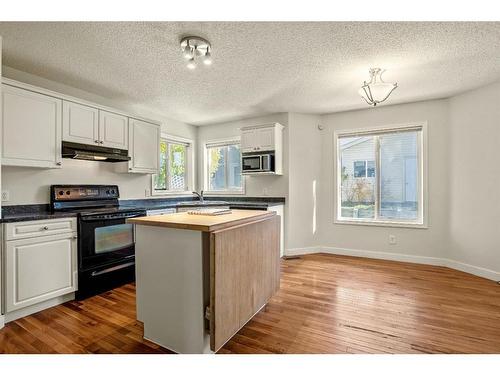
x=254 y=163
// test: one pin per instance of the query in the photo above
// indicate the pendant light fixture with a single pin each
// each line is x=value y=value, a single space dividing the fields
x=195 y=47
x=376 y=91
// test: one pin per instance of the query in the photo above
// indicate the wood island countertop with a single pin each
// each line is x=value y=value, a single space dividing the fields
x=203 y=223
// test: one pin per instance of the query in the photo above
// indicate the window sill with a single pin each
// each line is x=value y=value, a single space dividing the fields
x=170 y=193
x=393 y=224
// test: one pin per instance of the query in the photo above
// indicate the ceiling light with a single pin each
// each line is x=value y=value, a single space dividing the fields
x=376 y=91
x=191 y=63
x=207 y=58
x=194 y=47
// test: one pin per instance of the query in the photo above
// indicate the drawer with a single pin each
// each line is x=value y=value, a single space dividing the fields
x=37 y=228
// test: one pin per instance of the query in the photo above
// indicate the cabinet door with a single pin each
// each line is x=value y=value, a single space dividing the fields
x=31 y=128
x=248 y=141
x=113 y=130
x=265 y=139
x=144 y=146
x=38 y=269
x=80 y=123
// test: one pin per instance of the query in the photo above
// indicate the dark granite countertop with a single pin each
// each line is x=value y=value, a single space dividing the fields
x=42 y=211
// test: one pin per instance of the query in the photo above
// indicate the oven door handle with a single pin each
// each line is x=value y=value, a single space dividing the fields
x=89 y=219
x=111 y=269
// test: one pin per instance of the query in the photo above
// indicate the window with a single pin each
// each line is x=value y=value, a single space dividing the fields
x=364 y=168
x=223 y=167
x=380 y=177
x=175 y=168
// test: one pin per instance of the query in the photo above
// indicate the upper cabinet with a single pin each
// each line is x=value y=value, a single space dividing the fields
x=113 y=130
x=92 y=126
x=261 y=138
x=80 y=123
x=31 y=128
x=144 y=146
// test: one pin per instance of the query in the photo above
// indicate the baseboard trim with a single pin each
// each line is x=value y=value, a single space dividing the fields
x=453 y=264
x=21 y=313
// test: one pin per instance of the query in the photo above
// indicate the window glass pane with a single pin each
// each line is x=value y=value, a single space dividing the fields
x=177 y=166
x=216 y=168
x=234 y=167
x=357 y=193
x=370 y=168
x=359 y=169
x=399 y=176
x=160 y=180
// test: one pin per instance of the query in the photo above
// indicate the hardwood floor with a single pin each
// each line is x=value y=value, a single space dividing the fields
x=326 y=304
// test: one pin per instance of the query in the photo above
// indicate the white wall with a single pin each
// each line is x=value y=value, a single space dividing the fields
x=305 y=179
x=431 y=242
x=276 y=186
x=31 y=185
x=474 y=206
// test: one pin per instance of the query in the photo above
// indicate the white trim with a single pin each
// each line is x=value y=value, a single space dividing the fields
x=423 y=170
x=2 y=321
x=190 y=166
x=219 y=143
x=21 y=313
x=399 y=257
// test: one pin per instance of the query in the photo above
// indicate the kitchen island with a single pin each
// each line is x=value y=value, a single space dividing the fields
x=200 y=278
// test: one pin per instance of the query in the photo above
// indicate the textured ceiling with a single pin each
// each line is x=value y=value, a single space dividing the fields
x=259 y=68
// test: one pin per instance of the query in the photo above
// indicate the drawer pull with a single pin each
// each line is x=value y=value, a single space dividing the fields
x=45 y=228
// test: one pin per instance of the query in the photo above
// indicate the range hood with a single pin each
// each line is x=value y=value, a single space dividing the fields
x=97 y=153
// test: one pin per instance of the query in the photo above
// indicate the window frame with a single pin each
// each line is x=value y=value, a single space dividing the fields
x=189 y=167
x=206 y=174
x=422 y=144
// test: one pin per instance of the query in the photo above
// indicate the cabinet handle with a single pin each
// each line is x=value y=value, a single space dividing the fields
x=96 y=141
x=101 y=142
x=45 y=228
x=75 y=237
x=59 y=163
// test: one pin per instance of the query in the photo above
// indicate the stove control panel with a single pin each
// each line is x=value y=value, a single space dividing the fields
x=83 y=192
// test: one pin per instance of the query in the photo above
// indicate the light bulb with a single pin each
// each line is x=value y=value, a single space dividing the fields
x=187 y=52
x=191 y=63
x=207 y=58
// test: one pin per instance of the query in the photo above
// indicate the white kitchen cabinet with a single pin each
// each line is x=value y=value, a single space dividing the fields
x=261 y=138
x=144 y=146
x=113 y=130
x=38 y=269
x=31 y=128
x=80 y=123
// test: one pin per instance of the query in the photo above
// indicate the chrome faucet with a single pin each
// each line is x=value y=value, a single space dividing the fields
x=199 y=195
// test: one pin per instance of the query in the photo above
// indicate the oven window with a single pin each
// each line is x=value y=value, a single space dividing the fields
x=113 y=237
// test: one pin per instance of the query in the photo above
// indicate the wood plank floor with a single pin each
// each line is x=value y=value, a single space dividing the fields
x=326 y=304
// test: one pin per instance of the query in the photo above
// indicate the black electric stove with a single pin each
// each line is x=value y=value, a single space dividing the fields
x=106 y=243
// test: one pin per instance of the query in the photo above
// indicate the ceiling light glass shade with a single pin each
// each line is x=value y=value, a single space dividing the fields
x=187 y=52
x=376 y=91
x=191 y=63
x=207 y=58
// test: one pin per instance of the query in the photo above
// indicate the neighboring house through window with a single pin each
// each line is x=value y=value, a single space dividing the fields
x=381 y=176
x=176 y=168
x=223 y=167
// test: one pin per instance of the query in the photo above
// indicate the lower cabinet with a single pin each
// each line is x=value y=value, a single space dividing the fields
x=38 y=269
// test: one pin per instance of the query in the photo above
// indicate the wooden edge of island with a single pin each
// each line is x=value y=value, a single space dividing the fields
x=203 y=223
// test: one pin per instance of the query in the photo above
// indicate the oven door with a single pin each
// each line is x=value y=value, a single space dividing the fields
x=104 y=240
x=251 y=163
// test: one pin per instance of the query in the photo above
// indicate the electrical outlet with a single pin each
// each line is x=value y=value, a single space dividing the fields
x=392 y=239
x=5 y=196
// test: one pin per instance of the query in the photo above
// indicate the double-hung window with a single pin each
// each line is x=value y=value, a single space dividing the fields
x=381 y=177
x=223 y=167
x=174 y=176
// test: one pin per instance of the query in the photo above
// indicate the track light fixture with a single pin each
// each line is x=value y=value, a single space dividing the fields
x=194 y=47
